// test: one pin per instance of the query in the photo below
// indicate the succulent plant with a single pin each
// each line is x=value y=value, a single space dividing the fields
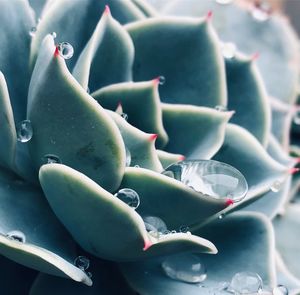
x=138 y=140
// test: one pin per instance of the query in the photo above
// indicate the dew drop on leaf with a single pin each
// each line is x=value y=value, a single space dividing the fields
x=16 y=235
x=51 y=159
x=24 y=131
x=154 y=223
x=128 y=157
x=65 y=50
x=32 y=31
x=246 y=283
x=276 y=186
x=124 y=116
x=129 y=196
x=162 y=80
x=221 y=108
x=261 y=11
x=82 y=262
x=228 y=51
x=184 y=267
x=280 y=290
x=54 y=35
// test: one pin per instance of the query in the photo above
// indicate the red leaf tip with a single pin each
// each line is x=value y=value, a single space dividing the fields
x=56 y=52
x=229 y=202
x=156 y=80
x=153 y=137
x=209 y=16
x=107 y=10
x=147 y=245
x=255 y=56
x=294 y=170
x=181 y=158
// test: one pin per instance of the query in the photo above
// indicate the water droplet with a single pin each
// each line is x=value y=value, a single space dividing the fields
x=24 y=131
x=51 y=159
x=54 y=35
x=162 y=80
x=185 y=267
x=66 y=50
x=246 y=283
x=296 y=118
x=154 y=223
x=129 y=196
x=261 y=11
x=136 y=166
x=221 y=108
x=124 y=116
x=184 y=229
x=223 y=2
x=173 y=231
x=128 y=157
x=82 y=262
x=276 y=186
x=16 y=235
x=280 y=290
x=222 y=216
x=89 y=274
x=88 y=90
x=228 y=51
x=32 y=31
x=212 y=178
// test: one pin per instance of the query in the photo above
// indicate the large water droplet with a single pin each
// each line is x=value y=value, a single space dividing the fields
x=223 y=2
x=16 y=235
x=280 y=290
x=261 y=11
x=24 y=131
x=213 y=178
x=276 y=186
x=82 y=262
x=154 y=223
x=246 y=283
x=185 y=267
x=66 y=50
x=129 y=196
x=32 y=31
x=296 y=118
x=51 y=159
x=128 y=157
x=228 y=50
x=162 y=80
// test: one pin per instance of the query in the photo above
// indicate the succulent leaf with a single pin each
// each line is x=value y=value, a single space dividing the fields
x=167 y=159
x=178 y=41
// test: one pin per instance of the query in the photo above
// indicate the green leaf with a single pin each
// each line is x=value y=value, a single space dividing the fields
x=61 y=16
x=145 y=7
x=172 y=201
x=88 y=141
x=8 y=129
x=196 y=132
x=248 y=97
x=16 y=21
x=167 y=159
x=109 y=48
x=140 y=101
x=239 y=250
x=48 y=247
x=140 y=144
x=108 y=228
x=186 y=53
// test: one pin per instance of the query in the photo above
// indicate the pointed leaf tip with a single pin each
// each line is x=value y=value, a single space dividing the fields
x=56 y=51
x=107 y=10
x=255 y=56
x=148 y=244
x=229 y=202
x=153 y=137
x=181 y=158
x=209 y=16
x=293 y=171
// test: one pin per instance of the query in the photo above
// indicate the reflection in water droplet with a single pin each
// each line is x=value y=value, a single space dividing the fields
x=276 y=186
x=222 y=216
x=82 y=262
x=246 y=283
x=184 y=229
x=16 y=235
x=280 y=290
x=66 y=50
x=223 y=2
x=228 y=51
x=184 y=267
x=296 y=118
x=212 y=178
x=128 y=157
x=155 y=225
x=221 y=108
x=129 y=196
x=124 y=116
x=24 y=131
x=162 y=80
x=261 y=11
x=51 y=159
x=32 y=31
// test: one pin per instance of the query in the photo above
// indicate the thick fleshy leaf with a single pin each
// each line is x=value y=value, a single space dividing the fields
x=172 y=201
x=8 y=130
x=88 y=140
x=247 y=97
x=239 y=250
x=48 y=247
x=74 y=21
x=147 y=9
x=17 y=19
x=140 y=101
x=273 y=39
x=167 y=159
x=108 y=228
x=140 y=145
x=196 y=132
x=177 y=43
x=107 y=280
x=287 y=227
x=109 y=48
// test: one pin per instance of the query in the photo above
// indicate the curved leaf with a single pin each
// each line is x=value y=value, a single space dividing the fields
x=197 y=132
x=247 y=97
x=88 y=141
x=61 y=16
x=146 y=8
x=108 y=56
x=140 y=101
x=167 y=159
x=186 y=53
x=48 y=247
x=239 y=250
x=140 y=145
x=16 y=21
x=174 y=202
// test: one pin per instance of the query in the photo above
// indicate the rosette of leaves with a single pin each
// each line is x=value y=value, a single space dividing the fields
x=52 y=213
